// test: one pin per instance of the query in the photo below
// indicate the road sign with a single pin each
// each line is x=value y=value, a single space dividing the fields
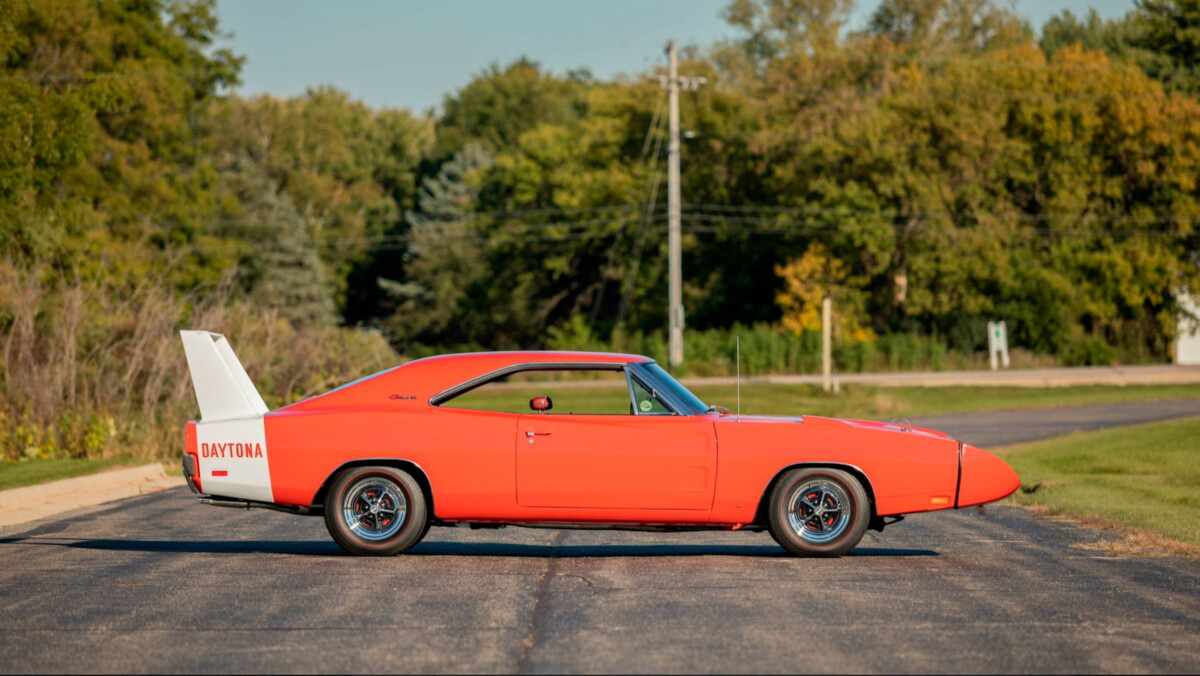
x=998 y=344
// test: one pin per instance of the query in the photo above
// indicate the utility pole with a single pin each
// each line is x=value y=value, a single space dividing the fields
x=674 y=215
x=827 y=344
x=673 y=84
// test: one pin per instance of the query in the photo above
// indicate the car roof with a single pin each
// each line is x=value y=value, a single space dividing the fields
x=415 y=382
x=533 y=357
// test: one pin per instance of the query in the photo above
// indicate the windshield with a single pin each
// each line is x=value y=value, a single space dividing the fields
x=676 y=388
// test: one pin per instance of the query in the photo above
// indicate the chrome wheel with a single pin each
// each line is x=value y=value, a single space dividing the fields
x=375 y=508
x=820 y=510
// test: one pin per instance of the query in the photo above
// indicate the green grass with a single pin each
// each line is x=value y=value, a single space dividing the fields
x=1145 y=477
x=30 y=472
x=851 y=402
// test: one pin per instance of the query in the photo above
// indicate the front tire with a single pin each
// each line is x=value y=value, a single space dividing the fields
x=376 y=511
x=818 y=511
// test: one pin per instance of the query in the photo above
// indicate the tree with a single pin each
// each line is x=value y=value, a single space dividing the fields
x=500 y=104
x=776 y=27
x=1093 y=32
x=1018 y=187
x=932 y=28
x=101 y=104
x=445 y=265
x=282 y=270
x=1162 y=37
x=807 y=281
x=1168 y=34
x=293 y=281
x=349 y=170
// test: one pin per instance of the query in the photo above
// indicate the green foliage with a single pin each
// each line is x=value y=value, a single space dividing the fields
x=933 y=171
x=348 y=171
x=1167 y=32
x=1093 y=32
x=939 y=27
x=501 y=104
x=444 y=265
x=1162 y=37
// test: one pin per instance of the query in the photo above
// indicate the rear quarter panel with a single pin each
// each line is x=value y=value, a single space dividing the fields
x=908 y=471
x=468 y=457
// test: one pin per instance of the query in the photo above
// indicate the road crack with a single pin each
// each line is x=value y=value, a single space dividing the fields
x=537 y=615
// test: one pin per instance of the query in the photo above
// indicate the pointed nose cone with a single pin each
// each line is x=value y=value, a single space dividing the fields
x=985 y=478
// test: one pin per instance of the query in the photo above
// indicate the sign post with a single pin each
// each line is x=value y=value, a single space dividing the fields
x=827 y=344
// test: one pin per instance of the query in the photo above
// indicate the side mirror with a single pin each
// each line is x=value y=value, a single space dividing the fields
x=541 y=404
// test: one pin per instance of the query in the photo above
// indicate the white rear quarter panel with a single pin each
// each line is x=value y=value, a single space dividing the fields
x=233 y=458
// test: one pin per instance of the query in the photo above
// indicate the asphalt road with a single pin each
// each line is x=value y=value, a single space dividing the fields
x=162 y=584
x=1001 y=428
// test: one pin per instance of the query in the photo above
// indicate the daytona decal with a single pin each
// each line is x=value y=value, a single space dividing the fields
x=238 y=450
x=233 y=458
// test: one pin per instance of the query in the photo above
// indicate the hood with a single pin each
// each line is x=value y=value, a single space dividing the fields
x=898 y=427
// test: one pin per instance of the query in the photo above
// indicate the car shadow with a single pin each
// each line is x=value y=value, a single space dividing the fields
x=632 y=551
x=434 y=548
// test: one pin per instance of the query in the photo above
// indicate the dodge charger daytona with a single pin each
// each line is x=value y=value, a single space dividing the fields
x=452 y=440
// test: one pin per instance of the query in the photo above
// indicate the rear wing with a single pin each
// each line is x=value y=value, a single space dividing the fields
x=223 y=389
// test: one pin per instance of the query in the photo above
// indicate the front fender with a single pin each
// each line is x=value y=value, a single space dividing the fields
x=907 y=471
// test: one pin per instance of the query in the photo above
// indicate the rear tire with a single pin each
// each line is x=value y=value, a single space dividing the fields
x=376 y=511
x=818 y=511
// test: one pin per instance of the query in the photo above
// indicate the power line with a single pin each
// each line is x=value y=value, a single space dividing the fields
x=714 y=211
x=539 y=211
x=785 y=228
x=569 y=237
x=456 y=229
x=629 y=284
x=652 y=132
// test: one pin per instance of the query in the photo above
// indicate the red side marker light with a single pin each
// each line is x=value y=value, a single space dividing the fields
x=220 y=472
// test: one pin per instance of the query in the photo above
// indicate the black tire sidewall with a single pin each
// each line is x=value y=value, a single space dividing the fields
x=411 y=532
x=782 y=531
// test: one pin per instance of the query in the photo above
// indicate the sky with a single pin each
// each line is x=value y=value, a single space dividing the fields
x=410 y=54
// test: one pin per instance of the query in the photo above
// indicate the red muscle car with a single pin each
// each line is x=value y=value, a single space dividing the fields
x=454 y=440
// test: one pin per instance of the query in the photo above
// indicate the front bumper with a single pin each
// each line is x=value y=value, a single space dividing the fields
x=189 y=472
x=984 y=478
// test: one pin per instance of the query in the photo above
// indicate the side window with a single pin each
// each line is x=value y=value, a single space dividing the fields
x=647 y=400
x=571 y=391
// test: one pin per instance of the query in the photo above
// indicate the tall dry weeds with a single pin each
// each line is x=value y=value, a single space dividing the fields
x=87 y=370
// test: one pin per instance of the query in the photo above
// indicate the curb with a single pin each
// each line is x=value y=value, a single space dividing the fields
x=29 y=503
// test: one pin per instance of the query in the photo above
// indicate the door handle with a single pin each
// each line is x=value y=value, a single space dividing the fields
x=531 y=433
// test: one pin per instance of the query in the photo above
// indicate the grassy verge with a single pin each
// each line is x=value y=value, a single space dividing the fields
x=1143 y=479
x=851 y=402
x=30 y=472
